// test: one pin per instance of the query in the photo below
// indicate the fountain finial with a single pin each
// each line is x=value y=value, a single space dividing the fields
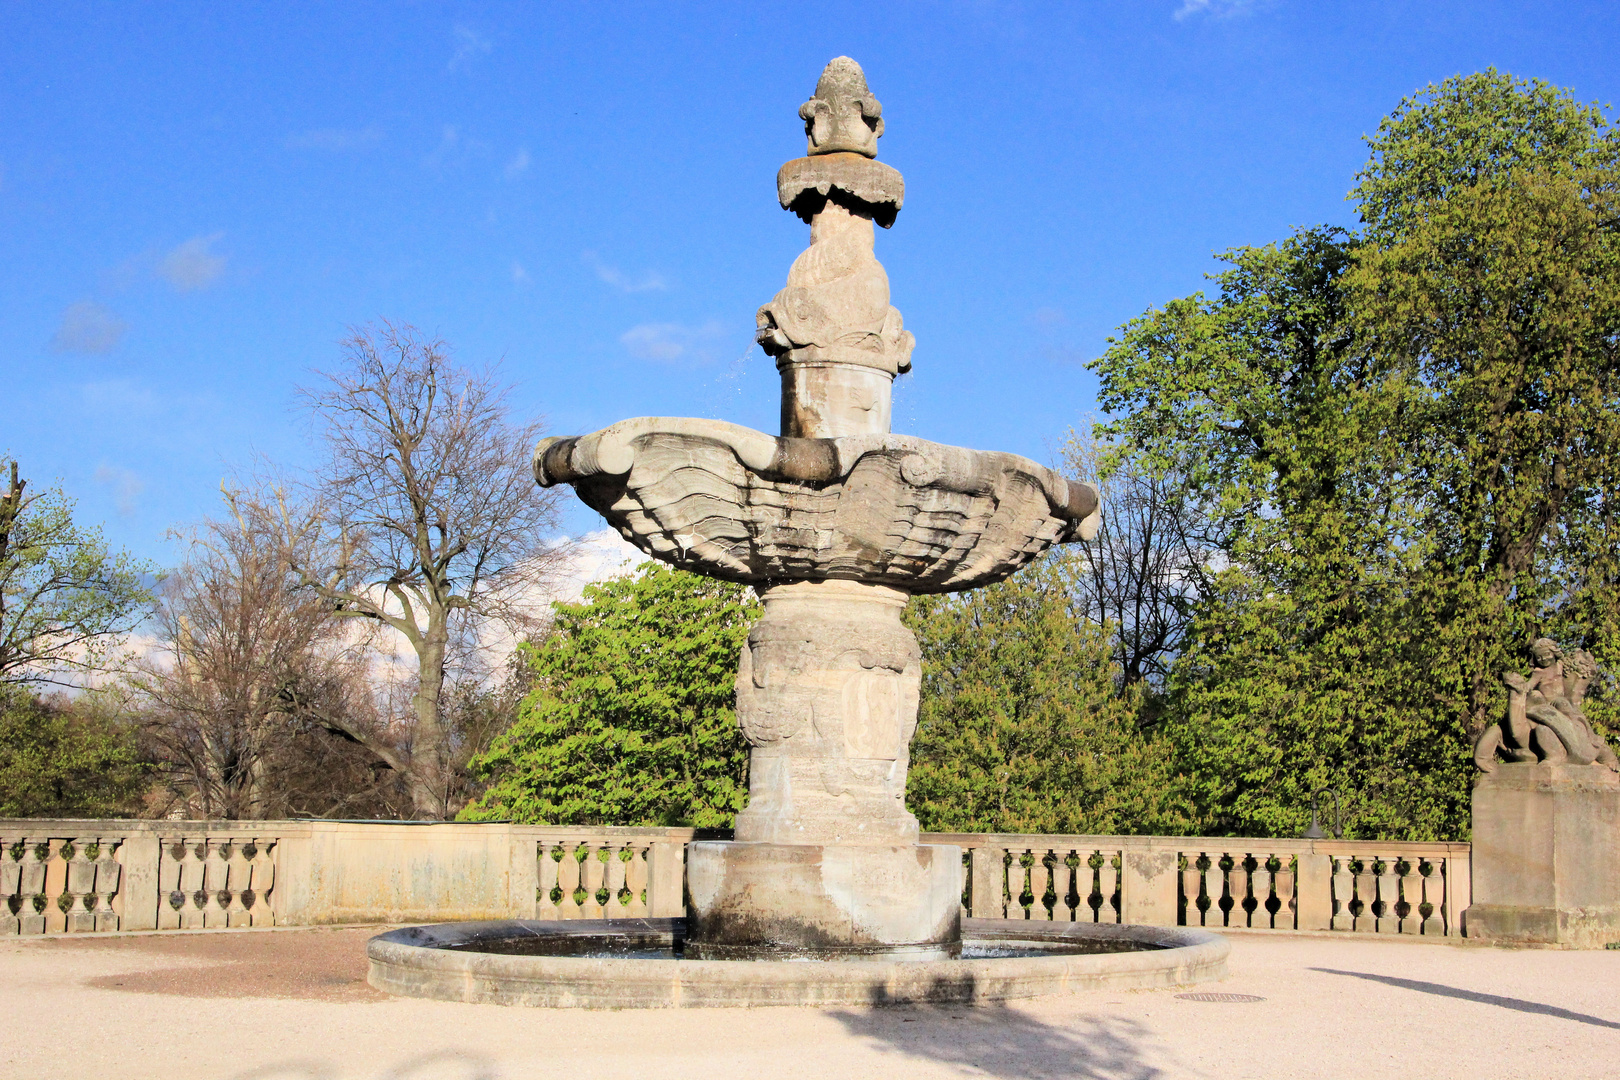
x=844 y=116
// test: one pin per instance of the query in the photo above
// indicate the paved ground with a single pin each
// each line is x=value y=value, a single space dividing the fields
x=294 y=1005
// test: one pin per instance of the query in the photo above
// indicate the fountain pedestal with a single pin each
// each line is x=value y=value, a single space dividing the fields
x=826 y=860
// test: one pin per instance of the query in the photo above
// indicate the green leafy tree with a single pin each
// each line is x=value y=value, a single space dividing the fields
x=65 y=760
x=65 y=596
x=1023 y=726
x=631 y=719
x=1407 y=438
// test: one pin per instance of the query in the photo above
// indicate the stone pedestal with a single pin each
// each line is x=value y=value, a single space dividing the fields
x=826 y=861
x=1546 y=856
x=823 y=901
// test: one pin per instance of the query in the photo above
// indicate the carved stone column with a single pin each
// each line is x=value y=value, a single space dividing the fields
x=826 y=861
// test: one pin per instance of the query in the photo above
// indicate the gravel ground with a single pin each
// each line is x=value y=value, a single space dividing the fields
x=294 y=1005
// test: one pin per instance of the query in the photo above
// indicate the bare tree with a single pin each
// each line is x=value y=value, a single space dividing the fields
x=1147 y=564
x=252 y=667
x=424 y=518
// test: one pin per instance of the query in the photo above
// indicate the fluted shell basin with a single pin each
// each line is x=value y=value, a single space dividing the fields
x=733 y=503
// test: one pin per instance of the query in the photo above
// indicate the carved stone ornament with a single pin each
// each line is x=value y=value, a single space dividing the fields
x=741 y=505
x=844 y=115
x=1545 y=723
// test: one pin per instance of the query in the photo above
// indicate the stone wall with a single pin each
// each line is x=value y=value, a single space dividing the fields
x=88 y=876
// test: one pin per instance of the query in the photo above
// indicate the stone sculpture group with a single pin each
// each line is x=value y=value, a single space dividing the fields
x=1545 y=722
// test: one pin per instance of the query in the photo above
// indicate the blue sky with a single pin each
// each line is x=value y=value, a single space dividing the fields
x=197 y=199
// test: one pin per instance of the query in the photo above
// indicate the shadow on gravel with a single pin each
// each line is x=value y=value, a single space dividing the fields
x=438 y=1065
x=1006 y=1043
x=1441 y=990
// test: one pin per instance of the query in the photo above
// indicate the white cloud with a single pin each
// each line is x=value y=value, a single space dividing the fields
x=596 y=556
x=335 y=139
x=126 y=485
x=88 y=327
x=674 y=342
x=520 y=276
x=517 y=166
x=470 y=44
x=651 y=281
x=192 y=265
x=1215 y=9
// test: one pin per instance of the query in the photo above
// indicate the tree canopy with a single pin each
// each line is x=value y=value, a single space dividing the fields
x=61 y=759
x=1407 y=439
x=1023 y=726
x=631 y=719
x=65 y=596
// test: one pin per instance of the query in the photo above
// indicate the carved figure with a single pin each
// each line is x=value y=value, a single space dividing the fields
x=843 y=115
x=1544 y=720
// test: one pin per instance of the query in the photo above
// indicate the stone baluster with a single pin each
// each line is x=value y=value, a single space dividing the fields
x=1236 y=882
x=1434 y=895
x=616 y=903
x=108 y=876
x=56 y=866
x=568 y=881
x=238 y=887
x=31 y=885
x=595 y=877
x=262 y=881
x=1040 y=879
x=1108 y=886
x=1191 y=878
x=1017 y=885
x=1367 y=894
x=1063 y=884
x=192 y=884
x=1344 y=891
x=10 y=884
x=1282 y=883
x=1211 y=889
x=216 y=872
x=1260 y=880
x=79 y=886
x=635 y=879
x=171 y=898
x=1389 y=895
x=546 y=907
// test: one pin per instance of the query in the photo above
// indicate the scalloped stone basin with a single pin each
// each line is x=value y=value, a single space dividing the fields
x=733 y=503
x=634 y=963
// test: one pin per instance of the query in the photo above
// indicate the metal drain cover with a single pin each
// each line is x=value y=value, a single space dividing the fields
x=1225 y=999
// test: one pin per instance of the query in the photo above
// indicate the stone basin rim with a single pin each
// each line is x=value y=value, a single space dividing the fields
x=417 y=961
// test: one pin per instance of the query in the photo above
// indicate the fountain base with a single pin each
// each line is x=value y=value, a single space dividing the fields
x=758 y=901
x=642 y=964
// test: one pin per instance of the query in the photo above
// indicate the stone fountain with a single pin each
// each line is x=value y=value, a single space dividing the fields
x=836 y=522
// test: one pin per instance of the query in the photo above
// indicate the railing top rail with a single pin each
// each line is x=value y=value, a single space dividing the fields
x=1274 y=845
x=612 y=832
x=141 y=827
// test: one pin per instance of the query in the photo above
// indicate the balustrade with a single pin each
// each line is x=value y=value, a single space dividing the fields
x=77 y=877
x=588 y=878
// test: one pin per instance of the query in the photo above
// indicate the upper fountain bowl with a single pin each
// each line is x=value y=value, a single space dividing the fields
x=733 y=503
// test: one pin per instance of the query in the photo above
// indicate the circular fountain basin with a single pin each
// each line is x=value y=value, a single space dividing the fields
x=636 y=964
